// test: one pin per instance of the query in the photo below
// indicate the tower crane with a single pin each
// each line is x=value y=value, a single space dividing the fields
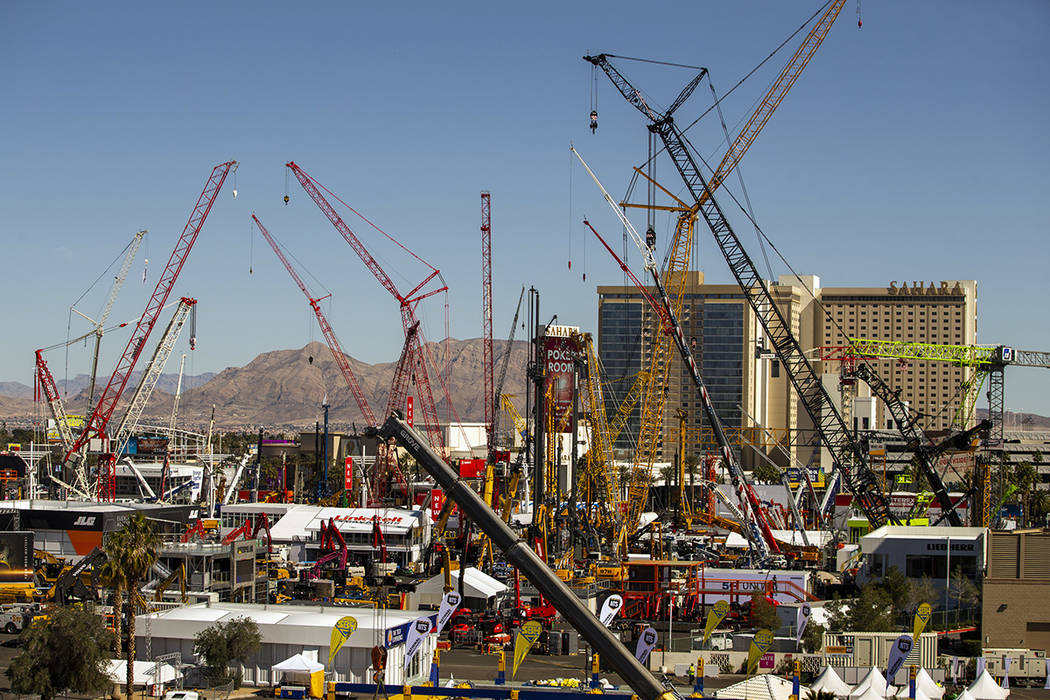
x=407 y=302
x=653 y=400
x=151 y=375
x=757 y=529
x=599 y=476
x=45 y=384
x=338 y=355
x=97 y=422
x=487 y=367
x=857 y=476
x=99 y=330
x=497 y=392
x=175 y=401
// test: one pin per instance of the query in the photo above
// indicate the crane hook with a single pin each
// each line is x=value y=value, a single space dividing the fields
x=286 y=200
x=594 y=120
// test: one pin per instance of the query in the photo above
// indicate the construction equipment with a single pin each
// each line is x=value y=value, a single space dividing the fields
x=129 y=422
x=262 y=523
x=498 y=390
x=69 y=581
x=487 y=367
x=177 y=574
x=97 y=422
x=407 y=302
x=759 y=534
x=519 y=554
x=45 y=383
x=326 y=328
x=598 y=482
x=833 y=432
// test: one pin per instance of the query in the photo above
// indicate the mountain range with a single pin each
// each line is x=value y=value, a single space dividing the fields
x=285 y=388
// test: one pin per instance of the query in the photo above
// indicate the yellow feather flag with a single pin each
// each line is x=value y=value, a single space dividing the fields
x=340 y=633
x=715 y=615
x=759 y=646
x=527 y=636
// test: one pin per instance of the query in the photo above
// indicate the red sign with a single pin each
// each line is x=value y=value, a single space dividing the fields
x=408 y=411
x=437 y=502
x=559 y=357
x=348 y=474
x=768 y=660
x=471 y=468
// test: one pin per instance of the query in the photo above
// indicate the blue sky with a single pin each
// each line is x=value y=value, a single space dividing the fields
x=912 y=148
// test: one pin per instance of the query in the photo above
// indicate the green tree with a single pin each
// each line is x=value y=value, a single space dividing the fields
x=766 y=473
x=111 y=575
x=897 y=587
x=813 y=637
x=763 y=614
x=870 y=611
x=237 y=640
x=963 y=591
x=921 y=591
x=67 y=652
x=134 y=546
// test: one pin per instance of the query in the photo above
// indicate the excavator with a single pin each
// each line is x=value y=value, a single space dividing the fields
x=262 y=522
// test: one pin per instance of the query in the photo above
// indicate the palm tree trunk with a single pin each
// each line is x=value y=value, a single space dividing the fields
x=130 y=656
x=118 y=617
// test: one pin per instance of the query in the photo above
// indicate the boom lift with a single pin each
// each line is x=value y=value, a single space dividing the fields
x=262 y=522
x=97 y=422
x=835 y=435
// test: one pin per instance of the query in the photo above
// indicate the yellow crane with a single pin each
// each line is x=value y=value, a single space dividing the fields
x=662 y=354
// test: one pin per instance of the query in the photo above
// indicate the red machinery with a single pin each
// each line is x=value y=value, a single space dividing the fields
x=262 y=522
x=95 y=426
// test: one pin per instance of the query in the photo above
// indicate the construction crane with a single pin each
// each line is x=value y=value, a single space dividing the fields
x=386 y=461
x=45 y=384
x=598 y=481
x=97 y=422
x=99 y=330
x=759 y=534
x=407 y=302
x=338 y=355
x=680 y=252
x=487 y=368
x=497 y=392
x=175 y=402
x=858 y=477
x=129 y=422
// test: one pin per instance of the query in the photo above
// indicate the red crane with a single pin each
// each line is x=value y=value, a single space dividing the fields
x=326 y=328
x=407 y=302
x=486 y=320
x=95 y=426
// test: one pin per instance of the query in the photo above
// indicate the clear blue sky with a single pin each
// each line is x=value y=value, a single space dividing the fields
x=913 y=148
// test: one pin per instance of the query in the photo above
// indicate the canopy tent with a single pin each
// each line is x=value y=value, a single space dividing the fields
x=763 y=687
x=873 y=679
x=924 y=682
x=304 y=671
x=144 y=672
x=479 y=590
x=964 y=695
x=830 y=682
x=869 y=693
x=902 y=694
x=985 y=688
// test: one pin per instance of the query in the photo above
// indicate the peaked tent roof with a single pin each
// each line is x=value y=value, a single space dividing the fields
x=924 y=681
x=869 y=693
x=875 y=680
x=829 y=681
x=763 y=687
x=985 y=688
x=964 y=695
x=297 y=664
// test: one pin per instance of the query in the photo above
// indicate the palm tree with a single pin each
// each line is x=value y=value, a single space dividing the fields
x=113 y=576
x=134 y=549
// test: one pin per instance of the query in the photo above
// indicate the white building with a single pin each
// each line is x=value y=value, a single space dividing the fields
x=935 y=552
x=293 y=629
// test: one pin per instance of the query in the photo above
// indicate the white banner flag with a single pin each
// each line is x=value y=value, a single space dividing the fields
x=1006 y=672
x=898 y=653
x=646 y=644
x=955 y=670
x=801 y=618
x=1046 y=685
x=981 y=664
x=610 y=609
x=417 y=630
x=449 y=604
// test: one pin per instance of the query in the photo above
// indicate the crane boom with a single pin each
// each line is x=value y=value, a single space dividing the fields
x=406 y=301
x=338 y=355
x=46 y=383
x=498 y=390
x=151 y=375
x=858 y=477
x=96 y=424
x=487 y=367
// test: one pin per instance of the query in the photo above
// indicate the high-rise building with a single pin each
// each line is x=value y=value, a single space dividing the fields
x=748 y=387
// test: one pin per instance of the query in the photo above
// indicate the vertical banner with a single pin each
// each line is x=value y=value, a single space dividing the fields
x=409 y=413
x=646 y=644
x=922 y=616
x=527 y=636
x=955 y=670
x=417 y=631
x=1006 y=672
x=559 y=354
x=342 y=630
x=898 y=653
x=715 y=616
x=981 y=664
x=759 y=646
x=449 y=603
x=801 y=619
x=1046 y=685
x=437 y=502
x=610 y=609
x=348 y=474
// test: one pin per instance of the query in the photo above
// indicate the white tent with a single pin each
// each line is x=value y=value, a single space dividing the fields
x=477 y=585
x=297 y=664
x=829 y=681
x=145 y=672
x=873 y=679
x=985 y=688
x=763 y=687
x=869 y=693
x=902 y=694
x=964 y=695
x=924 y=682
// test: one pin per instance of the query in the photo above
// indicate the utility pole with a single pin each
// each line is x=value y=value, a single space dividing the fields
x=258 y=467
x=322 y=484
